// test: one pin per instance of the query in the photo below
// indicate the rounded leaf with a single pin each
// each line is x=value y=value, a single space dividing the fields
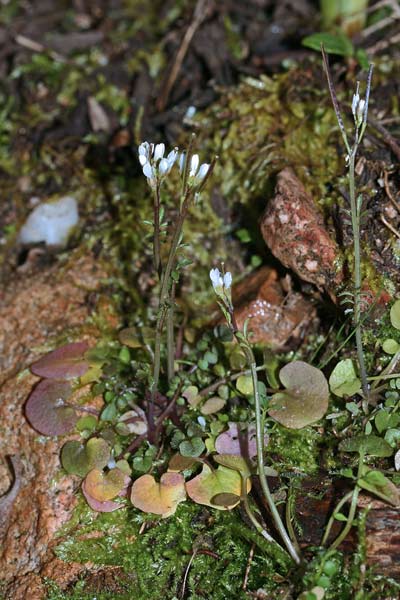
x=306 y=398
x=79 y=459
x=244 y=385
x=159 y=498
x=237 y=463
x=395 y=314
x=212 y=405
x=45 y=408
x=193 y=447
x=66 y=362
x=343 y=380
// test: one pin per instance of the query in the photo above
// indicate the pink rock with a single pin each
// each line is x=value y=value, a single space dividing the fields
x=294 y=231
x=279 y=318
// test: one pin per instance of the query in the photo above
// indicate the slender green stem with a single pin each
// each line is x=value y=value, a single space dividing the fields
x=164 y=296
x=251 y=515
x=260 y=462
x=355 y=221
x=170 y=335
x=156 y=240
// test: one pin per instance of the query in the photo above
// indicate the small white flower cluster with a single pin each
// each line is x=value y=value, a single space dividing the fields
x=195 y=172
x=154 y=165
x=220 y=282
x=358 y=106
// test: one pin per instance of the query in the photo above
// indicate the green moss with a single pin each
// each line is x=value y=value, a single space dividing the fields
x=295 y=449
x=158 y=557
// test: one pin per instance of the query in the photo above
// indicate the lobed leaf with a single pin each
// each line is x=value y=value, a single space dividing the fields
x=105 y=486
x=208 y=484
x=159 y=498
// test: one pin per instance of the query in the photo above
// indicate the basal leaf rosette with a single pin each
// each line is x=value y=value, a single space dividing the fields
x=159 y=498
x=305 y=399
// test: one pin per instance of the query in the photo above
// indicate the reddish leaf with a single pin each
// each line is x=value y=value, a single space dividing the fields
x=45 y=408
x=66 y=362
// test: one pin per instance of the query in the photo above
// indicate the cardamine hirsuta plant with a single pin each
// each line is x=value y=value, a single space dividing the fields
x=159 y=439
x=359 y=109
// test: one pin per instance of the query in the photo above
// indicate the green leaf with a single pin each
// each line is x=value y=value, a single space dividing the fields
x=79 y=459
x=244 y=385
x=382 y=419
x=209 y=483
x=333 y=44
x=340 y=517
x=392 y=437
x=193 y=447
x=376 y=483
x=343 y=380
x=390 y=346
x=305 y=399
x=191 y=394
x=371 y=445
x=395 y=315
x=212 y=405
x=232 y=461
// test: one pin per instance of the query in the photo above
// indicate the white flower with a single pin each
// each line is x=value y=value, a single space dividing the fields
x=150 y=155
x=220 y=281
x=227 y=280
x=216 y=279
x=358 y=107
x=191 y=111
x=356 y=100
x=159 y=152
x=194 y=164
x=182 y=161
x=148 y=171
x=202 y=172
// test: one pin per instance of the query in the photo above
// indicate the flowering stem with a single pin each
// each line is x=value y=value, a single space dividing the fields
x=170 y=335
x=355 y=223
x=156 y=240
x=164 y=297
x=260 y=463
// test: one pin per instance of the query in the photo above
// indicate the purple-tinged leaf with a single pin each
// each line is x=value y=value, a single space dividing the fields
x=238 y=440
x=46 y=410
x=66 y=362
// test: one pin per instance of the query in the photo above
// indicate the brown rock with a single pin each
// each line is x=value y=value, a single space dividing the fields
x=278 y=319
x=35 y=309
x=294 y=231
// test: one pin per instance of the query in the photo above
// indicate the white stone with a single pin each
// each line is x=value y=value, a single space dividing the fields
x=50 y=222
